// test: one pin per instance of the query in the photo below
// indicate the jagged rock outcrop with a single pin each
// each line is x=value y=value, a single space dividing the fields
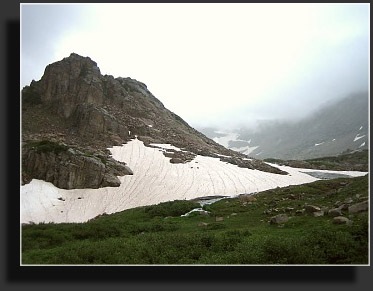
x=70 y=168
x=74 y=104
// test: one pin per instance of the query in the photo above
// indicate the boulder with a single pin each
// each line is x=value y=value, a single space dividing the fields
x=318 y=213
x=335 y=212
x=219 y=218
x=203 y=224
x=312 y=208
x=341 y=220
x=359 y=207
x=247 y=198
x=349 y=200
x=343 y=207
x=279 y=219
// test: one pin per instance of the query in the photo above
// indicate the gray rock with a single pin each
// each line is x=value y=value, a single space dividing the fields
x=343 y=207
x=318 y=213
x=300 y=211
x=340 y=220
x=247 y=198
x=219 y=218
x=279 y=219
x=312 y=208
x=335 y=212
x=203 y=224
x=359 y=207
x=203 y=212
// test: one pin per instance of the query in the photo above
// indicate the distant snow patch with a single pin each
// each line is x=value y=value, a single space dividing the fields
x=363 y=144
x=357 y=137
x=245 y=150
x=317 y=144
x=333 y=139
x=361 y=127
x=150 y=125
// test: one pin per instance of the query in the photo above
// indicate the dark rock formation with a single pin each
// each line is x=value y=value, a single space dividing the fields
x=70 y=168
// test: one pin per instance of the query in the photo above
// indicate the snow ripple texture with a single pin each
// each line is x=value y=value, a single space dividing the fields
x=155 y=180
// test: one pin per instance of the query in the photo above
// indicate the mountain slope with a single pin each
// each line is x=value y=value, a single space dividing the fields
x=338 y=127
x=78 y=108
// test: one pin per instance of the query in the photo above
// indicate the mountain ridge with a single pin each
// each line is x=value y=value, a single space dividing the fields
x=338 y=127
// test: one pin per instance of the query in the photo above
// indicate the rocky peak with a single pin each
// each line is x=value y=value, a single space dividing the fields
x=75 y=104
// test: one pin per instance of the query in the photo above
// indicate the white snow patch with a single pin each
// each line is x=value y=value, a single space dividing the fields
x=357 y=137
x=317 y=144
x=155 y=180
x=247 y=159
x=150 y=125
x=361 y=127
x=363 y=144
x=333 y=139
x=222 y=155
x=259 y=153
x=129 y=132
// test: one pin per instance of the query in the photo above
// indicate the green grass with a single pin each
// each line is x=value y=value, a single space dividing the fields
x=158 y=235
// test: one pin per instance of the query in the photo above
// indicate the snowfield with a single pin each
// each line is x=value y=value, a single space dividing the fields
x=155 y=180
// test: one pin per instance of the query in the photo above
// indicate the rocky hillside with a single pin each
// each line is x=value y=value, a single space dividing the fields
x=354 y=161
x=84 y=112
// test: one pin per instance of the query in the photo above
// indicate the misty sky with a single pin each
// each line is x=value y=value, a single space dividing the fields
x=212 y=64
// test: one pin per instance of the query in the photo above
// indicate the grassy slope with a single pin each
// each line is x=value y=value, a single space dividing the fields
x=357 y=161
x=158 y=235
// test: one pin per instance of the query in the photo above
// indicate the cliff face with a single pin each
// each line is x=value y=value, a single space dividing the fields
x=74 y=105
x=70 y=168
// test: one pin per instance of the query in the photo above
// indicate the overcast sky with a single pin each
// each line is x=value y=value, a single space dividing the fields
x=212 y=64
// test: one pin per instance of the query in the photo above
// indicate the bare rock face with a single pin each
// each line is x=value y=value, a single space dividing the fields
x=70 y=168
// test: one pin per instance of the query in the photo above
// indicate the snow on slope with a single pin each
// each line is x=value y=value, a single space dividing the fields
x=357 y=137
x=244 y=150
x=155 y=180
x=224 y=140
